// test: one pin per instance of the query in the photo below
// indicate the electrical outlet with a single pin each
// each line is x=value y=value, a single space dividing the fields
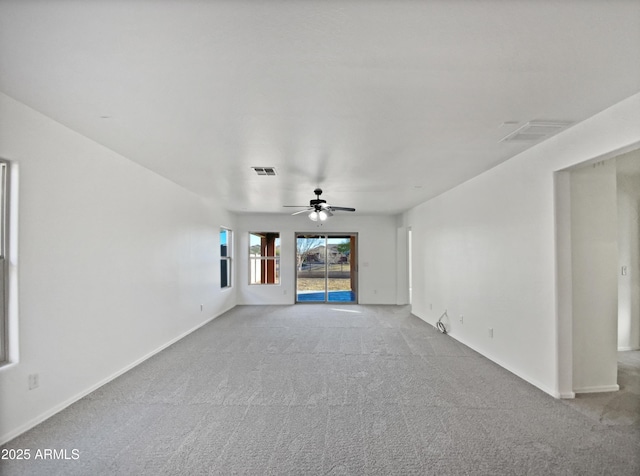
x=34 y=381
x=624 y=271
x=201 y=307
x=461 y=319
x=491 y=332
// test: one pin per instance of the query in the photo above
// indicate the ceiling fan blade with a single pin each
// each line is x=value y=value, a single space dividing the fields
x=342 y=209
x=295 y=206
x=301 y=211
x=321 y=208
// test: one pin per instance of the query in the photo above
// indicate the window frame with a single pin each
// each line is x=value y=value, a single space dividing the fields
x=5 y=207
x=264 y=260
x=226 y=260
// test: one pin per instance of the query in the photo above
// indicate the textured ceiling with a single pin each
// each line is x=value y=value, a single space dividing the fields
x=382 y=104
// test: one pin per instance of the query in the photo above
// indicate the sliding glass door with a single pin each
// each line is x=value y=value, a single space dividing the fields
x=326 y=268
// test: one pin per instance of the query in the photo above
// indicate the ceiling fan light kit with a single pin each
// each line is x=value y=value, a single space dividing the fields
x=319 y=208
x=321 y=215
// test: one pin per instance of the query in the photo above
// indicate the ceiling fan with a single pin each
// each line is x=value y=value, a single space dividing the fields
x=320 y=209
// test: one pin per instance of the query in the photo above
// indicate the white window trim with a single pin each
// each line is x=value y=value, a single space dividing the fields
x=9 y=251
x=253 y=258
x=228 y=258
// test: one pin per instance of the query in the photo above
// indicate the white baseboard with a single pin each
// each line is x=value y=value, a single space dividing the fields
x=58 y=408
x=597 y=389
x=544 y=388
x=625 y=349
x=567 y=395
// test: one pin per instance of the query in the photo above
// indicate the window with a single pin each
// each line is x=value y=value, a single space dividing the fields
x=4 y=268
x=225 y=258
x=264 y=258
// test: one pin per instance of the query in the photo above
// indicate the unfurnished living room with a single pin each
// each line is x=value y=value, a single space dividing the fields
x=321 y=237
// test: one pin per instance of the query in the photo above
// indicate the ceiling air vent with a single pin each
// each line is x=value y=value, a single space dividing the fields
x=536 y=130
x=265 y=170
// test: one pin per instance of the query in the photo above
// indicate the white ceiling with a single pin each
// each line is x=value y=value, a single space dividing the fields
x=383 y=104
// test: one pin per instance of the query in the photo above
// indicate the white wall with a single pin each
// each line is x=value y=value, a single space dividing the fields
x=114 y=263
x=594 y=256
x=376 y=255
x=402 y=262
x=487 y=250
x=629 y=254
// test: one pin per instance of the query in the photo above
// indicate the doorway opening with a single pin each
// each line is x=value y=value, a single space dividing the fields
x=326 y=267
x=597 y=240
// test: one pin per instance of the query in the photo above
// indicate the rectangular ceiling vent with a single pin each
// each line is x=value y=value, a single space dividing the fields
x=265 y=170
x=536 y=130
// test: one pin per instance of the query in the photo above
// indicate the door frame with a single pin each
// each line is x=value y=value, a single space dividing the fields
x=353 y=262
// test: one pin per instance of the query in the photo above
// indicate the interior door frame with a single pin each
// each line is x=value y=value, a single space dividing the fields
x=353 y=265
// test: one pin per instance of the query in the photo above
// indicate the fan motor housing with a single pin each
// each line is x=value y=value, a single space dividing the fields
x=317 y=202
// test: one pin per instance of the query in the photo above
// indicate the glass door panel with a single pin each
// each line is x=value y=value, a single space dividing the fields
x=310 y=261
x=339 y=275
x=325 y=268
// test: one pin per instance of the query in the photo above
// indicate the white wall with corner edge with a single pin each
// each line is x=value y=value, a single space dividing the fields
x=114 y=263
x=628 y=189
x=488 y=251
x=376 y=254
